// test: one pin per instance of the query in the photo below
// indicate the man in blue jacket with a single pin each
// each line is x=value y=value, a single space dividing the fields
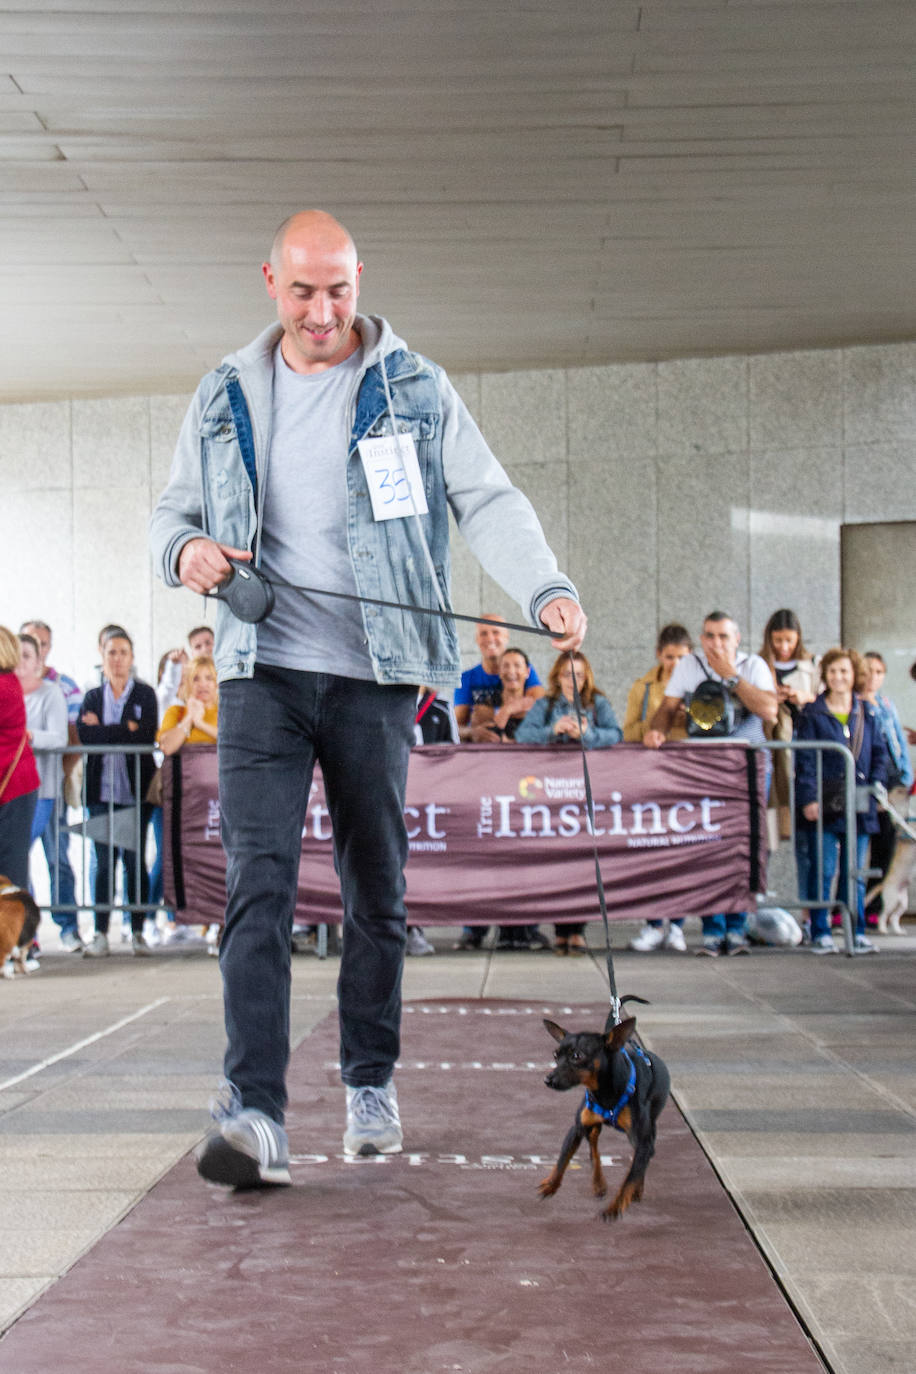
x=329 y=454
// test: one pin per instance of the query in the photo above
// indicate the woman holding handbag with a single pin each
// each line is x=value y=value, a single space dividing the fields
x=842 y=716
x=18 y=774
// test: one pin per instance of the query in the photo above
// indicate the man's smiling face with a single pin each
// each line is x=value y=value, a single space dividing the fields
x=314 y=276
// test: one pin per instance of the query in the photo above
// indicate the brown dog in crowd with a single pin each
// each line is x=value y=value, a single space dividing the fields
x=19 y=917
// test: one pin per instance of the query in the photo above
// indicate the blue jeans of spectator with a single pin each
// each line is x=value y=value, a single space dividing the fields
x=43 y=808
x=725 y=923
x=155 y=873
x=273 y=728
x=55 y=841
x=136 y=878
x=834 y=852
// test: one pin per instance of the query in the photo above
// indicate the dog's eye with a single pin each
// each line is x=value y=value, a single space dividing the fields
x=578 y=1057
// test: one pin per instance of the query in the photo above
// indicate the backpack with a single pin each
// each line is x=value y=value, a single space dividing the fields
x=713 y=712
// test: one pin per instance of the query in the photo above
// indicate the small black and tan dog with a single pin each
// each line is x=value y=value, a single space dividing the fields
x=625 y=1087
x=19 y=918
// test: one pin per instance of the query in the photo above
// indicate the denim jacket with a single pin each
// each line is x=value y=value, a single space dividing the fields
x=220 y=470
x=894 y=739
x=537 y=726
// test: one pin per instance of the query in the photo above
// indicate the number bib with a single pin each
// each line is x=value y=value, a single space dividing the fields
x=393 y=474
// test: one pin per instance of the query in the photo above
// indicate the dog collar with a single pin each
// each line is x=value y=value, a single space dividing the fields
x=11 y=887
x=610 y=1114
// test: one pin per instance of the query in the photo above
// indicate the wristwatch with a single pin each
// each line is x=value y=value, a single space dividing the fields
x=731 y=682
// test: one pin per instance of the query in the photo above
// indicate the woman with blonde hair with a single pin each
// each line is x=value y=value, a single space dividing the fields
x=193 y=718
x=645 y=697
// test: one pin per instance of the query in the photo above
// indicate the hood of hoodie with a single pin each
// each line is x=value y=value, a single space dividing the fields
x=379 y=339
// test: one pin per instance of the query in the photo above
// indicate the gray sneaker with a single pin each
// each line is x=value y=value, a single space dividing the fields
x=373 y=1123
x=245 y=1149
x=141 y=949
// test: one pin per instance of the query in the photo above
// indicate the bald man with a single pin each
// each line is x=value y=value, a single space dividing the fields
x=286 y=457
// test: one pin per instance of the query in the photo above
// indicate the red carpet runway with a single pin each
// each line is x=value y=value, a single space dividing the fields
x=443 y=1259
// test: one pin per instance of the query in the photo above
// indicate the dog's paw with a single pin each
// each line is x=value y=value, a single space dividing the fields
x=599 y=1189
x=548 y=1186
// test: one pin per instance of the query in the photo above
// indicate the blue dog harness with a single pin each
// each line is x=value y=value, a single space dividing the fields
x=610 y=1114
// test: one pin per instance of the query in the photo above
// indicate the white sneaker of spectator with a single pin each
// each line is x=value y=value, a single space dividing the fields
x=650 y=937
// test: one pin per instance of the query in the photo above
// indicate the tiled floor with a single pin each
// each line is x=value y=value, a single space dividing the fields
x=797 y=1074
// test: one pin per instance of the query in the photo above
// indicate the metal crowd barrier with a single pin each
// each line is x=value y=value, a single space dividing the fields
x=118 y=827
x=123 y=828
x=853 y=873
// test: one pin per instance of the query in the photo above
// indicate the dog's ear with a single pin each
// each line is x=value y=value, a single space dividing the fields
x=621 y=1034
x=556 y=1031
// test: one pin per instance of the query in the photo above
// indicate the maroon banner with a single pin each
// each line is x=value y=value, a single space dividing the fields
x=499 y=835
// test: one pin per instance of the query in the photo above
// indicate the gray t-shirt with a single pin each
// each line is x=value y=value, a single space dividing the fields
x=304 y=536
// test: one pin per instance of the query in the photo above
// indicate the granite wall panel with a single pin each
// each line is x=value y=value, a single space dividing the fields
x=664 y=489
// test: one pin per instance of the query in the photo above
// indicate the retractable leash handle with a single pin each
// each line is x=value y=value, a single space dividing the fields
x=247 y=593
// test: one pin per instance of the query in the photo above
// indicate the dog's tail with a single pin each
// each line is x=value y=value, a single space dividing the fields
x=631 y=997
x=32 y=918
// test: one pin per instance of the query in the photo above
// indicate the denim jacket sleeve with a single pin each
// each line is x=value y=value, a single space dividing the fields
x=535 y=727
x=603 y=729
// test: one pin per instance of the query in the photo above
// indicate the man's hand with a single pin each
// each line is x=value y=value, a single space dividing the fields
x=90 y=718
x=810 y=811
x=719 y=663
x=202 y=564
x=567 y=620
x=653 y=739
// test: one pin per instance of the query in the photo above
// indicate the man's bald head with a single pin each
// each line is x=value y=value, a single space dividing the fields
x=315 y=228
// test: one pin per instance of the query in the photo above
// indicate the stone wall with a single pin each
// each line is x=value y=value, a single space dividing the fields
x=665 y=489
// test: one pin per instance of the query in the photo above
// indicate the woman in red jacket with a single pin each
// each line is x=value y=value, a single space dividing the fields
x=18 y=774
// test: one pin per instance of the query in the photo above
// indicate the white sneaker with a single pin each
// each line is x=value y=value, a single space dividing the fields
x=97 y=948
x=71 y=942
x=650 y=937
x=373 y=1121
x=824 y=944
x=675 y=939
x=245 y=1148
x=417 y=942
x=140 y=948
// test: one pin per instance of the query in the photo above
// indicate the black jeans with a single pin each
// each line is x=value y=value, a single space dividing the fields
x=272 y=729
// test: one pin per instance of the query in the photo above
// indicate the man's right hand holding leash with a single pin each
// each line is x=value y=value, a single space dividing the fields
x=202 y=564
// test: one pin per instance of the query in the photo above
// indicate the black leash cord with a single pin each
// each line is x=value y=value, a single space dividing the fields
x=244 y=592
x=249 y=594
x=614 y=1013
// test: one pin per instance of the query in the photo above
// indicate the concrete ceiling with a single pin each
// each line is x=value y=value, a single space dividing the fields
x=530 y=183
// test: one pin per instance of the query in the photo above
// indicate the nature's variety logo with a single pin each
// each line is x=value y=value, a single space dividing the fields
x=530 y=786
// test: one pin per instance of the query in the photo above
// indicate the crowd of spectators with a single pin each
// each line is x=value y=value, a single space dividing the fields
x=781 y=693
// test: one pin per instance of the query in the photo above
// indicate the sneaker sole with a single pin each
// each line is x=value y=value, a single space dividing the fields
x=220 y=1162
x=739 y=949
x=705 y=953
x=367 y=1150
